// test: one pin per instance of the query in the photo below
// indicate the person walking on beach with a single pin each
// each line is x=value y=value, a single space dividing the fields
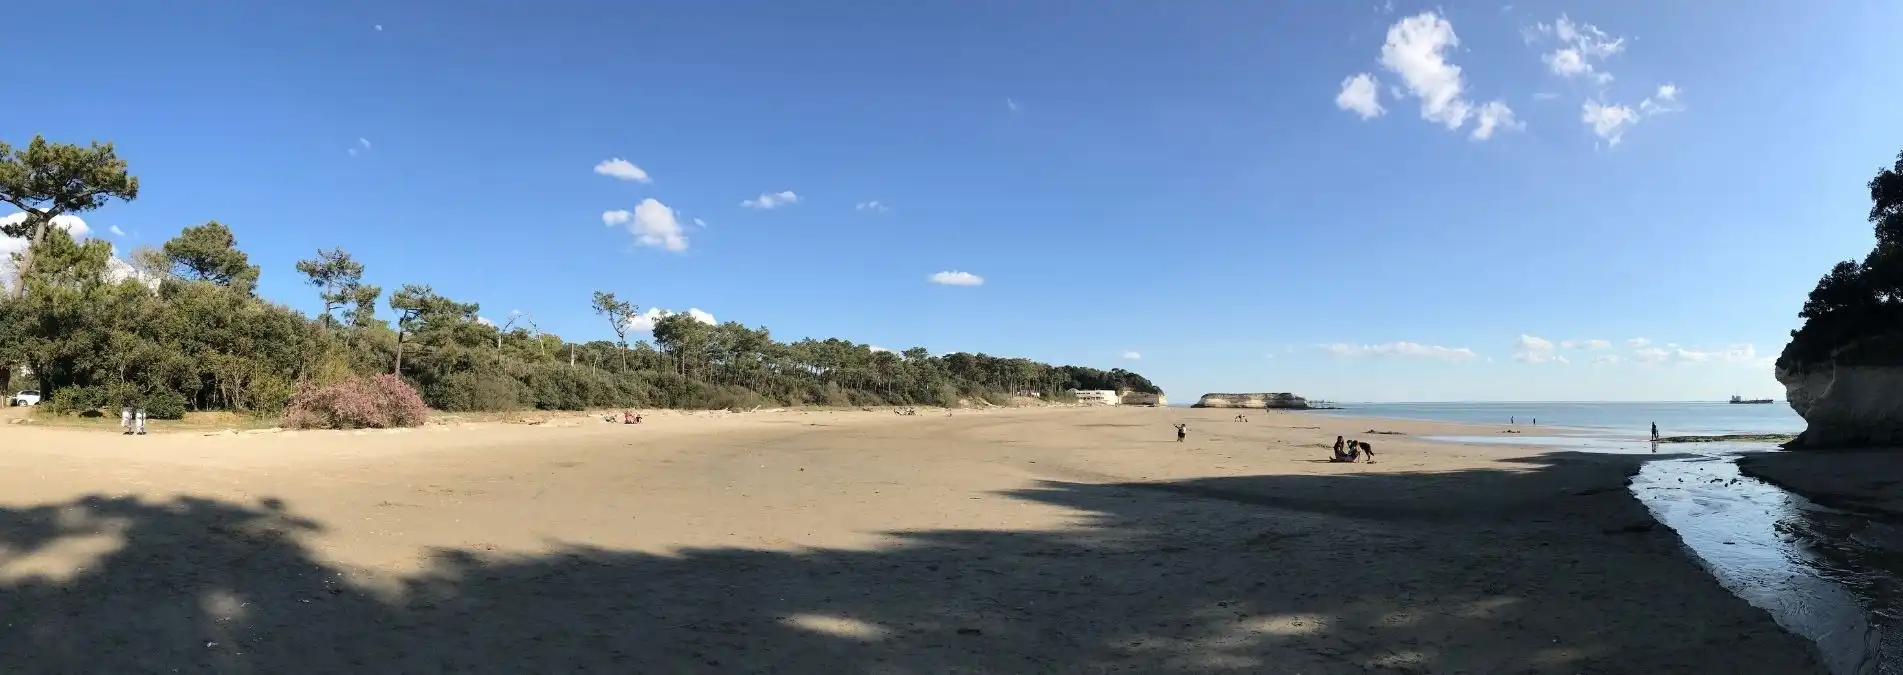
x=138 y=418
x=1181 y=431
x=1655 y=432
x=125 y=419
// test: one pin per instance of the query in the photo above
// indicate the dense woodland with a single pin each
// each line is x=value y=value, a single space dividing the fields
x=181 y=328
x=1855 y=315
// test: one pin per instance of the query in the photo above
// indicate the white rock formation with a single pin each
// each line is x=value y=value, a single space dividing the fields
x=1846 y=406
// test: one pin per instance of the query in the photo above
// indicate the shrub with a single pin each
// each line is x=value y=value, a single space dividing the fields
x=103 y=397
x=164 y=404
x=477 y=391
x=378 y=402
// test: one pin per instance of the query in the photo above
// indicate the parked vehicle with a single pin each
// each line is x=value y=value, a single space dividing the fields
x=26 y=397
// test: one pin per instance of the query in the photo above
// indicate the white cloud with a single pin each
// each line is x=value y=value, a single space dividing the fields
x=1651 y=355
x=1416 y=50
x=1494 y=114
x=876 y=349
x=379 y=27
x=1530 y=349
x=957 y=278
x=1638 y=342
x=652 y=224
x=362 y=147
x=116 y=231
x=483 y=320
x=1608 y=122
x=1012 y=104
x=622 y=169
x=1739 y=353
x=1581 y=46
x=1606 y=359
x=700 y=223
x=1132 y=356
x=871 y=206
x=1361 y=95
x=1589 y=345
x=1665 y=100
x=644 y=322
x=1406 y=349
x=768 y=201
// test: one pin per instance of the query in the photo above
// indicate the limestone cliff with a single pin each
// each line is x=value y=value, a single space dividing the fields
x=1283 y=400
x=1845 y=405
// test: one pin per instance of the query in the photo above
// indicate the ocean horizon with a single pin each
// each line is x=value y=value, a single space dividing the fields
x=1609 y=419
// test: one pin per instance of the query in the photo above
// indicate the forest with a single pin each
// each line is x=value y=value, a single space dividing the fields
x=180 y=327
x=1855 y=314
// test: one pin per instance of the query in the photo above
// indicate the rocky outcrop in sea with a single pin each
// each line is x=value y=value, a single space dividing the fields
x=1259 y=401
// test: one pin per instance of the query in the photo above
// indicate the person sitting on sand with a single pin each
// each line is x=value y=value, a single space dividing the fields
x=1181 y=431
x=1339 y=444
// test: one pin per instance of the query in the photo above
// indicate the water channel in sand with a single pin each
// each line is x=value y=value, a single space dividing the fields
x=1831 y=577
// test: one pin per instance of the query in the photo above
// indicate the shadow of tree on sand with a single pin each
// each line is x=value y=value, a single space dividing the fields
x=1513 y=573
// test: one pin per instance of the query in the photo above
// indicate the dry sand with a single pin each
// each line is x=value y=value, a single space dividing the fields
x=1003 y=541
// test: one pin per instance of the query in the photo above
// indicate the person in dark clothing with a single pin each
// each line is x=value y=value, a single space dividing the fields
x=1655 y=432
x=1339 y=445
x=1181 y=431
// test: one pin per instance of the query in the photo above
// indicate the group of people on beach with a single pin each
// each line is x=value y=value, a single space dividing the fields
x=1352 y=451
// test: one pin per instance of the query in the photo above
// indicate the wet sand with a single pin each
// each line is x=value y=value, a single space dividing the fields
x=1004 y=541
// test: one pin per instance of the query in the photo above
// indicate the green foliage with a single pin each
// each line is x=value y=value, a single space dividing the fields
x=1855 y=314
x=471 y=391
x=195 y=337
x=210 y=253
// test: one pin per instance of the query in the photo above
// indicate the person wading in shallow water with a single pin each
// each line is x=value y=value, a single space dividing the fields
x=1655 y=432
x=1181 y=431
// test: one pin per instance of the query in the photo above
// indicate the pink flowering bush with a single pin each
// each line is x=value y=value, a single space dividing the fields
x=378 y=402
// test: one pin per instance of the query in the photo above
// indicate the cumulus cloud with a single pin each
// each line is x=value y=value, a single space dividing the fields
x=1416 y=51
x=870 y=206
x=483 y=320
x=644 y=322
x=1580 y=50
x=876 y=349
x=1404 y=349
x=1637 y=342
x=1651 y=355
x=768 y=201
x=1361 y=95
x=1738 y=353
x=1606 y=359
x=957 y=278
x=1530 y=349
x=621 y=169
x=1132 y=356
x=652 y=224
x=1589 y=345
x=1608 y=122
x=1665 y=100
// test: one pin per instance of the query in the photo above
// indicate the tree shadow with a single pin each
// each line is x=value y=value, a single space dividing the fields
x=1472 y=571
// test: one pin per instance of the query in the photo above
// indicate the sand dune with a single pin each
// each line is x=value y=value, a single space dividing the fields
x=1003 y=541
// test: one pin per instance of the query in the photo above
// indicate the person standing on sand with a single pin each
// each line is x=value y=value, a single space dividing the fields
x=1181 y=431
x=1655 y=432
x=125 y=419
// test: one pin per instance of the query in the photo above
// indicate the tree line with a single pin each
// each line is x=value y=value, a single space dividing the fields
x=180 y=327
x=1855 y=314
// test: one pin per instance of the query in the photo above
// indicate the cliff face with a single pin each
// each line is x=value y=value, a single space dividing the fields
x=1283 y=400
x=1845 y=405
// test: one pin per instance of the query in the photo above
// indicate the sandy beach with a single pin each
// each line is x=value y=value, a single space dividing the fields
x=1056 y=540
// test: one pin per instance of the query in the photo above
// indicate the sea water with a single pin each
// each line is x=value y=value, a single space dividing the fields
x=1811 y=568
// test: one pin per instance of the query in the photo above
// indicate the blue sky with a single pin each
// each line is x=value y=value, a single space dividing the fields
x=1194 y=183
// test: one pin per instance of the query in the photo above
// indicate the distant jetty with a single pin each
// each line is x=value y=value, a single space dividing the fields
x=1284 y=401
x=1741 y=399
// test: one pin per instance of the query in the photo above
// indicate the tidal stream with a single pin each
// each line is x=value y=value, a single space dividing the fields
x=1822 y=574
